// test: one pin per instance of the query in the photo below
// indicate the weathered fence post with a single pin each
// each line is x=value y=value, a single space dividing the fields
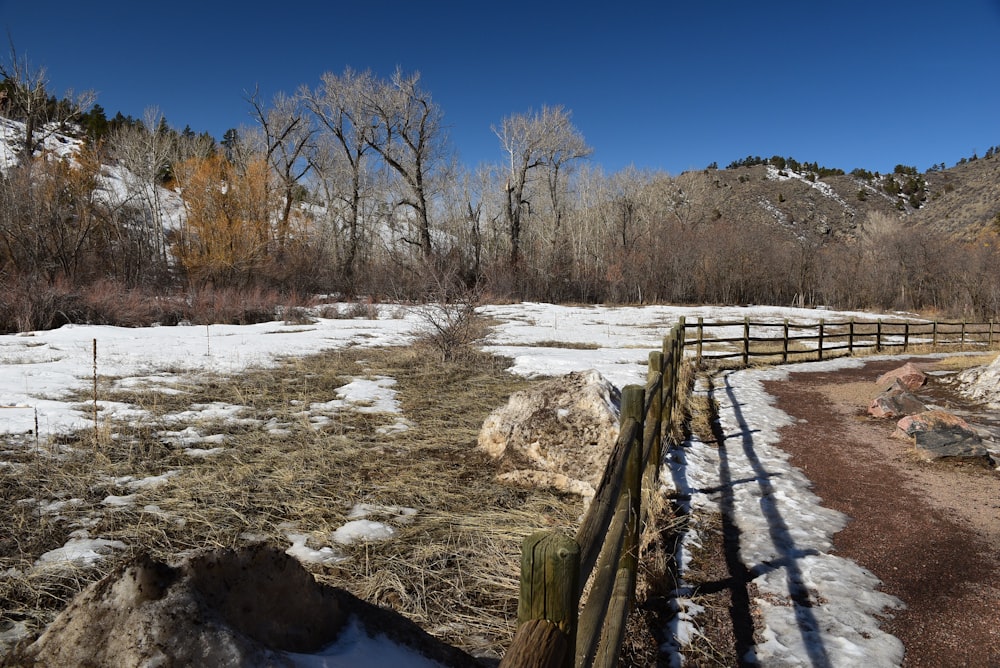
x=550 y=573
x=989 y=339
x=784 y=344
x=746 y=341
x=822 y=323
x=701 y=339
x=961 y=341
x=655 y=380
x=602 y=621
x=878 y=336
x=906 y=336
x=850 y=338
x=934 y=334
x=666 y=414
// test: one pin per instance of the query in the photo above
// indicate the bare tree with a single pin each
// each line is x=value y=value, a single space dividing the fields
x=408 y=135
x=286 y=135
x=340 y=106
x=144 y=154
x=27 y=100
x=534 y=142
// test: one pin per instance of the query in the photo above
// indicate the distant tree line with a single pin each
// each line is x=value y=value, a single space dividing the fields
x=789 y=163
x=349 y=186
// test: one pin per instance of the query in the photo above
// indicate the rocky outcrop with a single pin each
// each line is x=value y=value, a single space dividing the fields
x=557 y=434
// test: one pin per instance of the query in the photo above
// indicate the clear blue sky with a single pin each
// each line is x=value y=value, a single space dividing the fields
x=661 y=84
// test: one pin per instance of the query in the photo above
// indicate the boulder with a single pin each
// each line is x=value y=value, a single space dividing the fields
x=982 y=383
x=895 y=401
x=931 y=420
x=908 y=375
x=940 y=435
x=557 y=434
x=253 y=607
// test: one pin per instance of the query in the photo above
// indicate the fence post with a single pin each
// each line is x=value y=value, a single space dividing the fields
x=654 y=425
x=669 y=351
x=701 y=338
x=784 y=345
x=989 y=339
x=595 y=621
x=906 y=336
x=934 y=334
x=878 y=336
x=746 y=341
x=822 y=323
x=677 y=397
x=623 y=592
x=850 y=338
x=961 y=341
x=550 y=573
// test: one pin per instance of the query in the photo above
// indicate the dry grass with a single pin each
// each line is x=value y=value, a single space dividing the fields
x=453 y=567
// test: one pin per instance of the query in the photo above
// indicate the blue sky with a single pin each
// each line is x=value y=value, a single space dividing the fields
x=661 y=85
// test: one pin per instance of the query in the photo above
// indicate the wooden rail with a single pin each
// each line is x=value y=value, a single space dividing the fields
x=557 y=626
x=784 y=342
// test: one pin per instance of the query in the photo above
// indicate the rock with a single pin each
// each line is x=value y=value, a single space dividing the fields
x=939 y=435
x=219 y=608
x=930 y=421
x=557 y=434
x=895 y=401
x=908 y=375
x=954 y=445
x=982 y=383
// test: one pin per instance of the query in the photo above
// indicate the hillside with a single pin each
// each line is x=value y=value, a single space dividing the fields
x=963 y=201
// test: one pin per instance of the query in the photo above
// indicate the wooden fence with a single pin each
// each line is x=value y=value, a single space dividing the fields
x=557 y=626
x=784 y=342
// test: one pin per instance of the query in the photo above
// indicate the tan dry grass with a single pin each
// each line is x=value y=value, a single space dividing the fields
x=453 y=568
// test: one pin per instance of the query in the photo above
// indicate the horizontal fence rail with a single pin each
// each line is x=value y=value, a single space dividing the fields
x=785 y=341
x=577 y=591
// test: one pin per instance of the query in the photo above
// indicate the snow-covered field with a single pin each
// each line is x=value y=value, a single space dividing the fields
x=787 y=535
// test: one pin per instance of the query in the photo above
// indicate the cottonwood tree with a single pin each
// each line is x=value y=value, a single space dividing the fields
x=27 y=100
x=341 y=155
x=286 y=136
x=537 y=145
x=408 y=135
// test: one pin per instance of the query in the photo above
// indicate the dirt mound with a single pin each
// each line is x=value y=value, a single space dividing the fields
x=253 y=607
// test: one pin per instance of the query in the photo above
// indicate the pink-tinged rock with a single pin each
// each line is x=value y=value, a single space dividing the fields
x=895 y=401
x=909 y=375
x=932 y=421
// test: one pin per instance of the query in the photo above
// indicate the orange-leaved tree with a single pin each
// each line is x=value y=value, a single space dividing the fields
x=224 y=240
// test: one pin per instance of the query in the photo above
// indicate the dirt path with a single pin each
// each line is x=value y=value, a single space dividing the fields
x=931 y=533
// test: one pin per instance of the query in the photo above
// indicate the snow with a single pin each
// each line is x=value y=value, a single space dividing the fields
x=354 y=647
x=775 y=174
x=818 y=609
x=79 y=550
x=786 y=534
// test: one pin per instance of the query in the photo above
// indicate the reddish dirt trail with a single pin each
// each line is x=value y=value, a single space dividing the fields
x=930 y=532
